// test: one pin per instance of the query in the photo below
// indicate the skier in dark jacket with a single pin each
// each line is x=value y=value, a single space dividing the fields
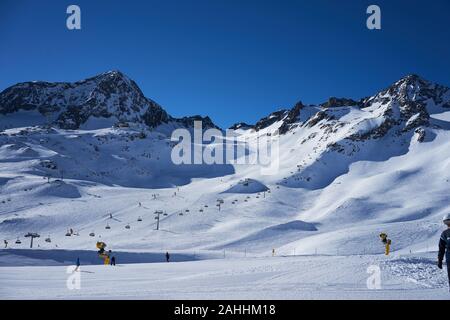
x=113 y=261
x=444 y=247
x=167 y=256
x=78 y=264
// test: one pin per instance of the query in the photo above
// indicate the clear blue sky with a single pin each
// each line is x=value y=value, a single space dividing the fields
x=234 y=60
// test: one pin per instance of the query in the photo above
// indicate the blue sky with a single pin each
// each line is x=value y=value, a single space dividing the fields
x=234 y=60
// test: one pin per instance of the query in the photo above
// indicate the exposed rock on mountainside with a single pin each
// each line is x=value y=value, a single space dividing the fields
x=110 y=95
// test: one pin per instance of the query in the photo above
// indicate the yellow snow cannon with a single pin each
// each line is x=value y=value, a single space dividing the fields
x=387 y=243
x=101 y=245
x=101 y=252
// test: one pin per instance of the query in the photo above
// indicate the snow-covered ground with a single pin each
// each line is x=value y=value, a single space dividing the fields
x=289 y=277
x=347 y=173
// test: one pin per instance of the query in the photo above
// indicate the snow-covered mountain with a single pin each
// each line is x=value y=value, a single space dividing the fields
x=110 y=98
x=72 y=154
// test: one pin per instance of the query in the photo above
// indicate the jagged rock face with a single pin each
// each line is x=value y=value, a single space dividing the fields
x=291 y=118
x=270 y=119
x=110 y=94
x=403 y=106
x=288 y=118
x=241 y=125
x=334 y=102
x=189 y=122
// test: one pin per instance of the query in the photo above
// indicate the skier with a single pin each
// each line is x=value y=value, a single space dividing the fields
x=78 y=264
x=444 y=246
x=167 y=256
x=6 y=243
x=113 y=261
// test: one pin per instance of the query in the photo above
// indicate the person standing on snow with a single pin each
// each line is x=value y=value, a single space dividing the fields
x=444 y=247
x=78 y=264
x=167 y=256
x=113 y=261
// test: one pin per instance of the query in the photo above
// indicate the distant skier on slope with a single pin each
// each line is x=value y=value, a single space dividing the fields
x=167 y=256
x=6 y=243
x=78 y=264
x=444 y=246
x=113 y=261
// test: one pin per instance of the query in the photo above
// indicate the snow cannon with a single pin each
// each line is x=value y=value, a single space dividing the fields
x=101 y=247
x=101 y=252
x=387 y=243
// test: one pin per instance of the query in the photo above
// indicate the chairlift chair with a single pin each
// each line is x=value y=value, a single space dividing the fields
x=127 y=226
x=18 y=241
x=48 y=239
x=139 y=219
x=92 y=234
x=68 y=234
x=107 y=227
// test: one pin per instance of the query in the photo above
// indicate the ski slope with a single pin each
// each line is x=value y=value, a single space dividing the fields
x=290 y=277
x=346 y=174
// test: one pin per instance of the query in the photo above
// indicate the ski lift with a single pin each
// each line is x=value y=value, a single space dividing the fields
x=92 y=234
x=187 y=210
x=68 y=234
x=107 y=226
x=201 y=210
x=180 y=214
x=139 y=219
x=245 y=200
x=48 y=239
x=206 y=206
x=127 y=226
x=18 y=241
x=164 y=214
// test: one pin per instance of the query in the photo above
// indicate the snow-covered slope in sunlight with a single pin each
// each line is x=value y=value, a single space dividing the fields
x=348 y=171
